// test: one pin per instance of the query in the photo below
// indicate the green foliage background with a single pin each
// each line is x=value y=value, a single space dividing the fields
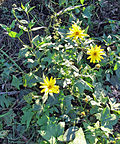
x=83 y=112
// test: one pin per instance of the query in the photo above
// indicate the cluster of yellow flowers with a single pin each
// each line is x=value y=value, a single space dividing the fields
x=95 y=55
x=95 y=52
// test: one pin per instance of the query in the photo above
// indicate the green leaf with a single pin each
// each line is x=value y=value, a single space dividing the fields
x=3 y=26
x=37 y=28
x=13 y=24
x=23 y=28
x=115 y=67
x=79 y=137
x=118 y=71
x=115 y=80
x=87 y=12
x=90 y=134
x=31 y=80
x=16 y=82
x=52 y=131
x=47 y=136
x=8 y=119
x=114 y=106
x=107 y=119
x=5 y=114
x=20 y=33
x=5 y=101
x=79 y=57
x=29 y=97
x=22 y=6
x=31 y=9
x=23 y=21
x=82 y=1
x=100 y=93
x=67 y=103
x=27 y=117
x=12 y=34
x=82 y=85
x=31 y=24
x=69 y=134
x=42 y=121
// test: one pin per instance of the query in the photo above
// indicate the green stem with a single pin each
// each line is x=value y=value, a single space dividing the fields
x=30 y=34
x=23 y=26
x=85 y=106
x=21 y=41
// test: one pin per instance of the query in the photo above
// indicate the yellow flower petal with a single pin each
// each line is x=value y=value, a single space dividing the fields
x=49 y=86
x=95 y=54
x=76 y=32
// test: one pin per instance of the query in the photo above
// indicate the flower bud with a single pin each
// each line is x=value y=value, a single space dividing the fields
x=97 y=66
x=83 y=113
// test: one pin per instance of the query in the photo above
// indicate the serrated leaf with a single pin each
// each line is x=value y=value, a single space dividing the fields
x=27 y=117
x=29 y=97
x=4 y=101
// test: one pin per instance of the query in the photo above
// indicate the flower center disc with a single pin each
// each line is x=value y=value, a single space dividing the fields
x=49 y=86
x=95 y=54
x=77 y=33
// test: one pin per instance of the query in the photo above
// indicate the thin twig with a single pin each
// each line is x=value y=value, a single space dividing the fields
x=9 y=93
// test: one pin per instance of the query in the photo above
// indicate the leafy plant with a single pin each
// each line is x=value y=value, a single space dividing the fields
x=60 y=95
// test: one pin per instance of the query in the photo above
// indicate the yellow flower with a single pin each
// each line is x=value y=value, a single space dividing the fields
x=76 y=32
x=49 y=86
x=95 y=54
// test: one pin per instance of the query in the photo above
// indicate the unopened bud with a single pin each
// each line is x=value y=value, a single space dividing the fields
x=83 y=113
x=86 y=100
x=97 y=66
